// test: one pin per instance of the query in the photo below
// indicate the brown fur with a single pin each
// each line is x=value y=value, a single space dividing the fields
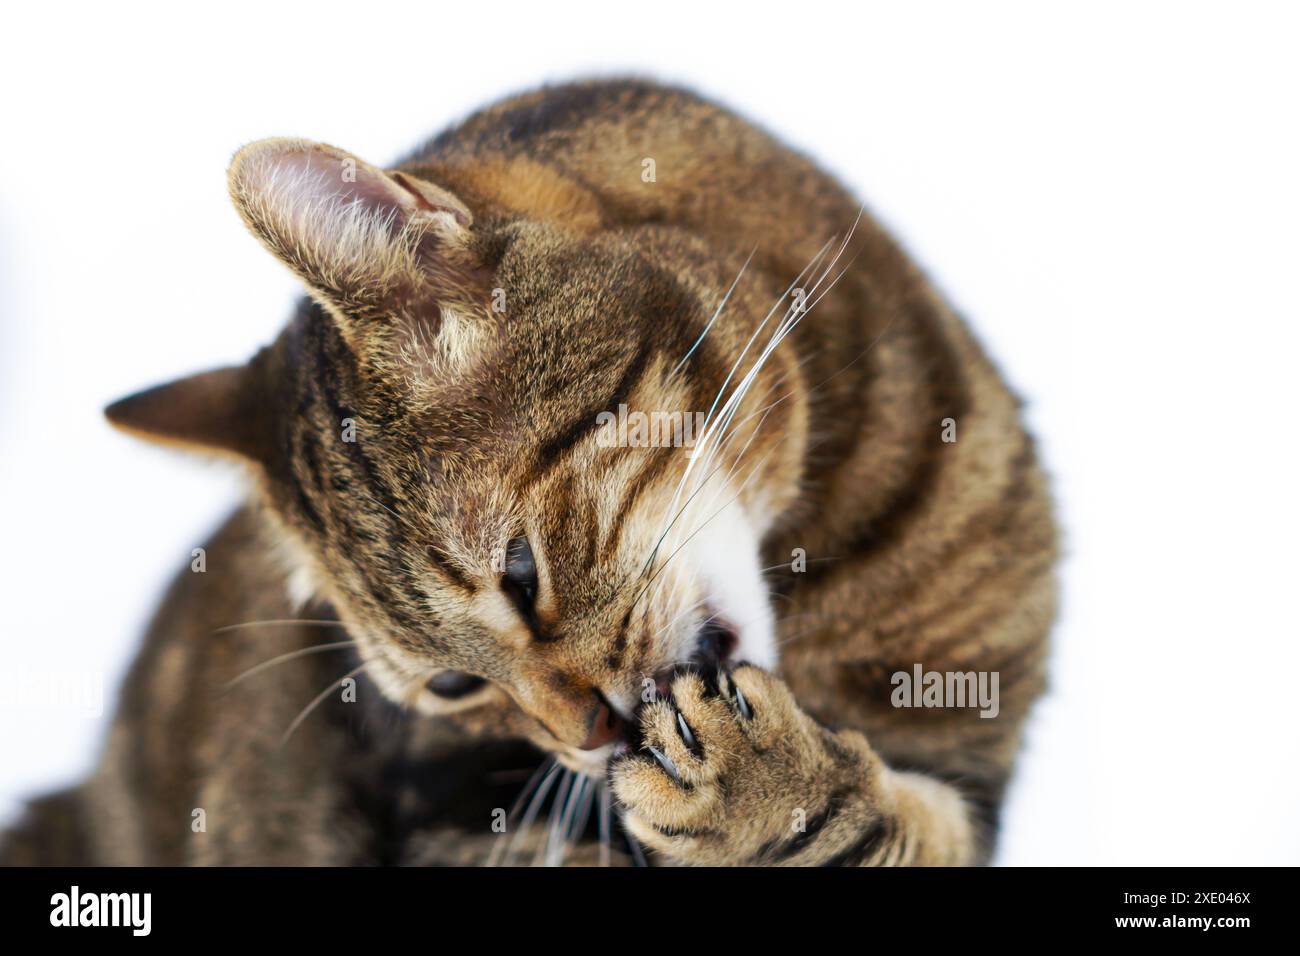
x=473 y=426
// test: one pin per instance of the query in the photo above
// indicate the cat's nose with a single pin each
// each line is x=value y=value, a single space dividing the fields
x=606 y=727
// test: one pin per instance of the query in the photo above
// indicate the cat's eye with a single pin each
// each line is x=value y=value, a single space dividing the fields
x=452 y=685
x=520 y=578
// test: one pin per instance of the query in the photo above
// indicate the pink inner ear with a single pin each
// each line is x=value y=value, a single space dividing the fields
x=353 y=232
x=319 y=176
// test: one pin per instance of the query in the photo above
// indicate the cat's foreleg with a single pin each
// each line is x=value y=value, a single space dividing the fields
x=731 y=771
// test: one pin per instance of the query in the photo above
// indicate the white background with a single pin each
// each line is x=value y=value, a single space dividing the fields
x=1110 y=193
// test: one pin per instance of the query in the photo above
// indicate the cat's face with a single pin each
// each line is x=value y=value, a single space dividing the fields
x=505 y=451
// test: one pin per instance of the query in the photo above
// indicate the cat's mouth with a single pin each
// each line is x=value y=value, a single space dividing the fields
x=715 y=647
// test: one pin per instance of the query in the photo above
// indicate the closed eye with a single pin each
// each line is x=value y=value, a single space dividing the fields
x=519 y=580
x=453 y=685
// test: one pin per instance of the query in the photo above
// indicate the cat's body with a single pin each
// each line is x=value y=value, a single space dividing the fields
x=833 y=482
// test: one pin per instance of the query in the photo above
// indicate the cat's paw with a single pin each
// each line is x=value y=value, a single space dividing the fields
x=729 y=770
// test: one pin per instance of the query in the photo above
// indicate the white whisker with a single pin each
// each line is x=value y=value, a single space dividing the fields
x=279 y=622
x=604 y=811
x=292 y=655
x=535 y=805
x=794 y=314
x=562 y=794
x=533 y=781
x=716 y=312
x=722 y=389
x=316 y=702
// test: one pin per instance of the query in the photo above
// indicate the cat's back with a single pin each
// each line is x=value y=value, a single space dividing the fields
x=646 y=152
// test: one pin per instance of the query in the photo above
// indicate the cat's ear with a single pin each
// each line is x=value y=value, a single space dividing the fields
x=224 y=411
x=369 y=243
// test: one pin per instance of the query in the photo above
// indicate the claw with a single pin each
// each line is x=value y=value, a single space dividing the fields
x=688 y=736
x=666 y=762
x=742 y=705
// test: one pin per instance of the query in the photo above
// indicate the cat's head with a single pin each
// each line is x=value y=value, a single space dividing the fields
x=509 y=445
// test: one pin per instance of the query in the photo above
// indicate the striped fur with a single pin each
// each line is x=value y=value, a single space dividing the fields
x=472 y=315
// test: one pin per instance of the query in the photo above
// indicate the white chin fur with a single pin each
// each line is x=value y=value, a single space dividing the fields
x=727 y=552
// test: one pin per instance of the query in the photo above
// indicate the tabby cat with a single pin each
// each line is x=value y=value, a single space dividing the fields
x=478 y=611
